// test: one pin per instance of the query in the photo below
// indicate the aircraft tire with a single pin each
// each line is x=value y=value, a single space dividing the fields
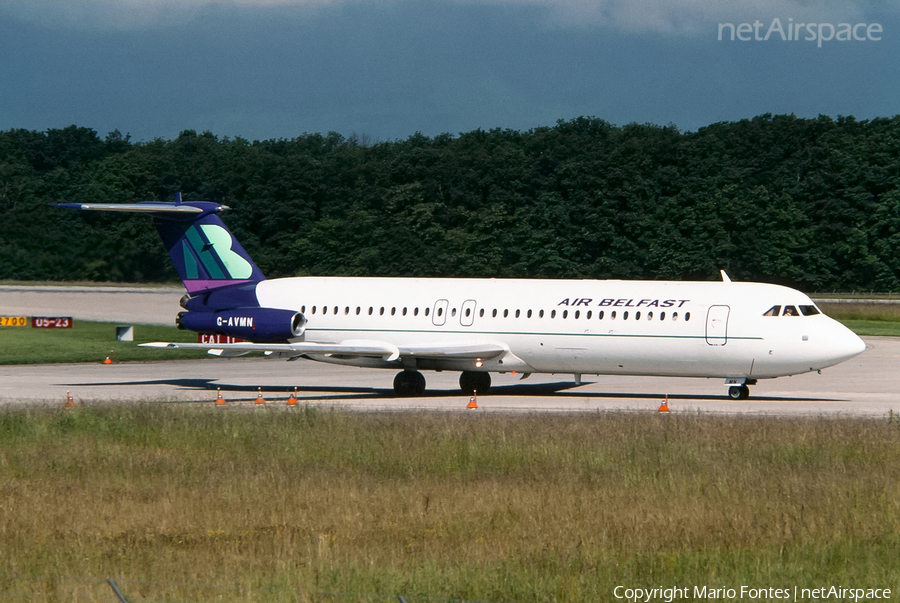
x=409 y=383
x=738 y=392
x=470 y=382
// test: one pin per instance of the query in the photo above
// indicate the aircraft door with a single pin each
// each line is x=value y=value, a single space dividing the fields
x=717 y=325
x=439 y=314
x=467 y=313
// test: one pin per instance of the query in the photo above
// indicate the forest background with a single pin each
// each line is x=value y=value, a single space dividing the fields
x=809 y=203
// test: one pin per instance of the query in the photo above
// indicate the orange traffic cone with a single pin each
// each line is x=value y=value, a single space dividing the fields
x=664 y=407
x=473 y=401
x=107 y=361
x=220 y=401
x=70 y=401
x=259 y=397
x=292 y=401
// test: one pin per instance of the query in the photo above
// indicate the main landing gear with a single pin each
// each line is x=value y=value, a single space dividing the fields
x=412 y=383
x=471 y=382
x=409 y=383
x=739 y=392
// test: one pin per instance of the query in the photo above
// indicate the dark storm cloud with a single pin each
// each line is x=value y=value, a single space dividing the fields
x=389 y=69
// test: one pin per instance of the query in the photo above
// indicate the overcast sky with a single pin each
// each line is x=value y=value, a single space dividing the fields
x=387 y=69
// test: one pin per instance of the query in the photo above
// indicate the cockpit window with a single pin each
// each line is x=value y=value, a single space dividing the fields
x=809 y=310
x=790 y=311
x=773 y=311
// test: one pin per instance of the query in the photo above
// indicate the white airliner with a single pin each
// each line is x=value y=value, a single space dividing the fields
x=736 y=331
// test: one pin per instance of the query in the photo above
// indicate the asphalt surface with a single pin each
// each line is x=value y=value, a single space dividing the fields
x=128 y=305
x=863 y=386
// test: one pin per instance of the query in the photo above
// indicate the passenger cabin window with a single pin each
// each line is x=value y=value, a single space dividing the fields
x=809 y=310
x=773 y=311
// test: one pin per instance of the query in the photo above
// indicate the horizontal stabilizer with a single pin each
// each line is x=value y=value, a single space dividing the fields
x=144 y=208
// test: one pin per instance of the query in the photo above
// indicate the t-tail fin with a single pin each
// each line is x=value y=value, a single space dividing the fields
x=205 y=253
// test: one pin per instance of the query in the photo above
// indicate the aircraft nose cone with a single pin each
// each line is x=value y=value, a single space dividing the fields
x=849 y=345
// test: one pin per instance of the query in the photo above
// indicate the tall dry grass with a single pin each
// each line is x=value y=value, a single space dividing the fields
x=862 y=311
x=255 y=505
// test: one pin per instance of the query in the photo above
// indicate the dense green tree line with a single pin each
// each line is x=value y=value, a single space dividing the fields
x=812 y=203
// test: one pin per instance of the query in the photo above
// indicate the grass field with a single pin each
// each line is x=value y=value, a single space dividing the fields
x=866 y=318
x=88 y=342
x=199 y=504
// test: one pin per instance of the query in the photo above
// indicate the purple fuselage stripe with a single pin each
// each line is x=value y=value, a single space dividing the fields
x=195 y=286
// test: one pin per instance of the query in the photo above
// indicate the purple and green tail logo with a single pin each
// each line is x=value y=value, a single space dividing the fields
x=218 y=245
x=205 y=253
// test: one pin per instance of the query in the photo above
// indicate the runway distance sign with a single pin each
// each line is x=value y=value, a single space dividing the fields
x=13 y=321
x=47 y=322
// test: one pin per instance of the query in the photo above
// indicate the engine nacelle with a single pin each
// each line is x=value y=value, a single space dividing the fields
x=263 y=325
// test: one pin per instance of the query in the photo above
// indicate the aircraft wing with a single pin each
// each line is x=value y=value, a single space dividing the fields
x=356 y=347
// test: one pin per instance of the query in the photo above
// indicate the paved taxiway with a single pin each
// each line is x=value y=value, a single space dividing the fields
x=865 y=385
x=128 y=305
